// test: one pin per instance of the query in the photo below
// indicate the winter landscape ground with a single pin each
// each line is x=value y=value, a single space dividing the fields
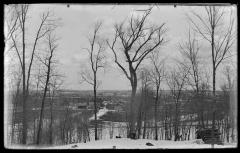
x=124 y=143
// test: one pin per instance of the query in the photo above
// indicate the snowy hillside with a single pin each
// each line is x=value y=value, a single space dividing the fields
x=125 y=143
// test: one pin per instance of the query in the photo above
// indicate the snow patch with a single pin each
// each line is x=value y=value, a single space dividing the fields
x=100 y=113
x=125 y=143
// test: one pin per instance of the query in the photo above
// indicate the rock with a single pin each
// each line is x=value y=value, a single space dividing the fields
x=198 y=141
x=209 y=136
x=132 y=136
x=149 y=144
x=74 y=146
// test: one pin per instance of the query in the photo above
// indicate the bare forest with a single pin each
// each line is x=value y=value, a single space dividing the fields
x=129 y=72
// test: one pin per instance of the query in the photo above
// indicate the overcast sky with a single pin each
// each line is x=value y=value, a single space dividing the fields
x=77 y=23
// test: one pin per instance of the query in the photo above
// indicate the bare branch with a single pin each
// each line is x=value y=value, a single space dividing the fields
x=16 y=48
x=44 y=18
x=87 y=79
x=115 y=55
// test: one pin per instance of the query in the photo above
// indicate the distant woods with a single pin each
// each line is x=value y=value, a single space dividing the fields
x=166 y=102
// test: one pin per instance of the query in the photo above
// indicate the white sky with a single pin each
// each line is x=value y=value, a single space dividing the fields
x=77 y=22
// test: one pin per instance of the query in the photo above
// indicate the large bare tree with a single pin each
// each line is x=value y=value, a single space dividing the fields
x=136 y=40
x=97 y=61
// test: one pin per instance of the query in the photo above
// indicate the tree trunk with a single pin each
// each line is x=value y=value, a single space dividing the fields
x=14 y=109
x=227 y=124
x=34 y=129
x=24 y=117
x=202 y=119
x=155 y=115
x=139 y=123
x=133 y=94
x=51 y=124
x=95 y=106
x=166 y=129
x=170 y=126
x=233 y=135
x=214 y=79
x=13 y=123
x=190 y=127
x=42 y=107
x=41 y=116
x=144 y=126
x=176 y=124
x=70 y=135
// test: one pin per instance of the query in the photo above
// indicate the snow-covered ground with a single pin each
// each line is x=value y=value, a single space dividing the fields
x=125 y=143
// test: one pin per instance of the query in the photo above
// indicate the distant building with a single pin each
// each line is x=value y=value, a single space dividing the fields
x=105 y=103
x=118 y=108
x=82 y=106
x=110 y=106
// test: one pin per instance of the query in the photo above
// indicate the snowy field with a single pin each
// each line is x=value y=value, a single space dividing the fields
x=124 y=143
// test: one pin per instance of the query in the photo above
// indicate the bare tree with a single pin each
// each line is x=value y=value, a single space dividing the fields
x=48 y=61
x=18 y=28
x=168 y=112
x=176 y=83
x=37 y=82
x=15 y=92
x=137 y=40
x=157 y=74
x=21 y=12
x=227 y=88
x=11 y=23
x=203 y=98
x=97 y=61
x=142 y=107
x=189 y=50
x=55 y=84
x=228 y=73
x=220 y=38
x=65 y=124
